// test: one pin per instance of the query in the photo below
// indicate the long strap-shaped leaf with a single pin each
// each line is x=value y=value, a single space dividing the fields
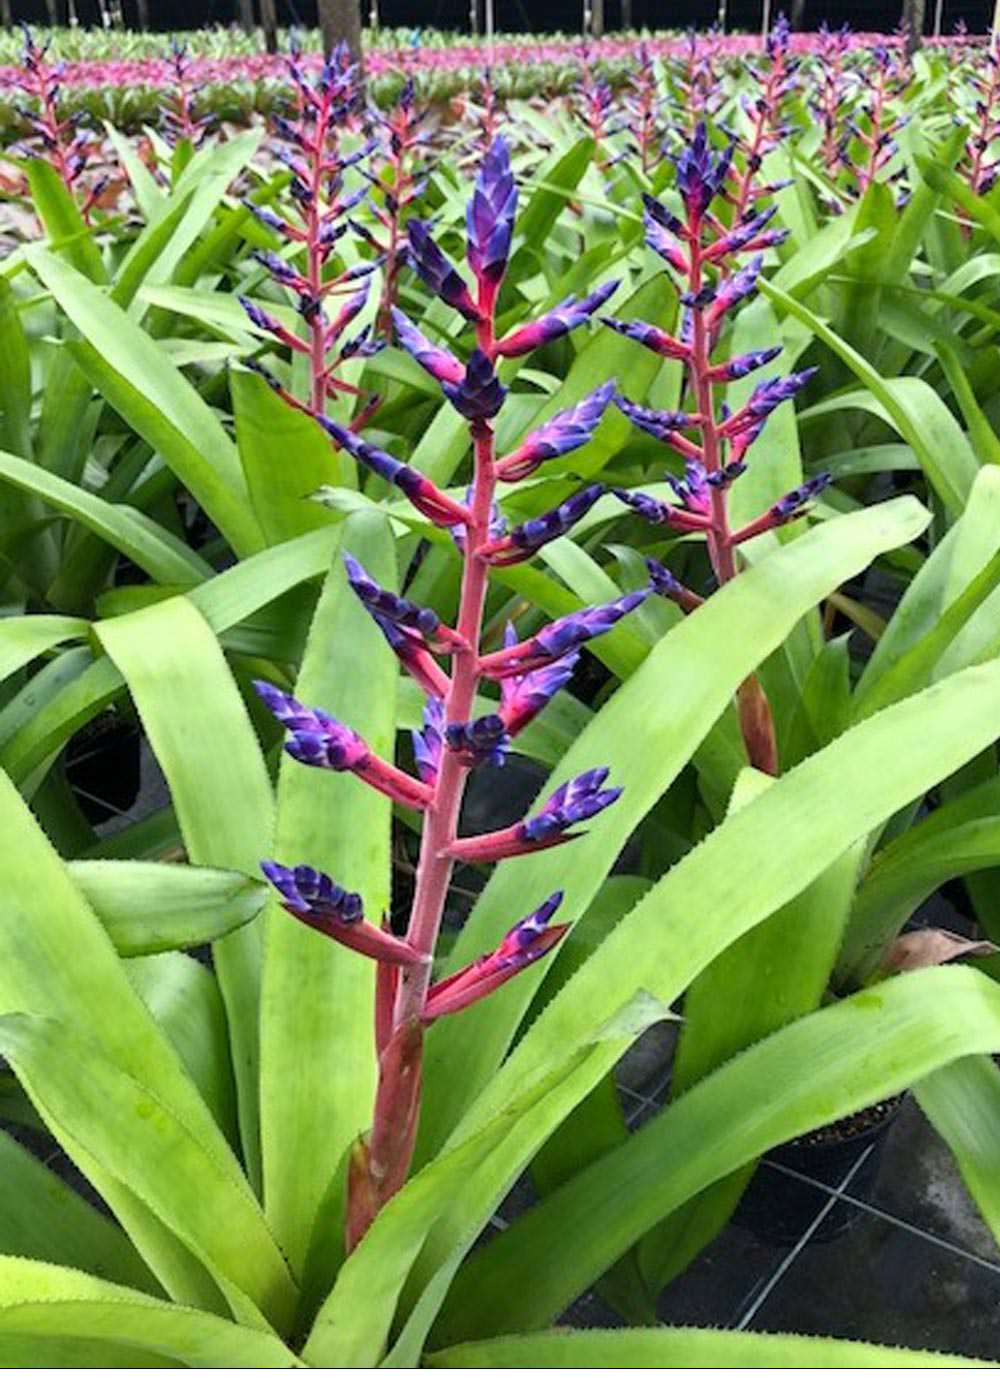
x=316 y=993
x=165 y=558
x=683 y=1348
x=199 y=729
x=49 y=1303
x=133 y=1136
x=646 y=733
x=130 y=370
x=57 y=961
x=42 y=1217
x=825 y=1066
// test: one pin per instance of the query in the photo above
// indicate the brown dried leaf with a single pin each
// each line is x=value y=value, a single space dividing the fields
x=929 y=947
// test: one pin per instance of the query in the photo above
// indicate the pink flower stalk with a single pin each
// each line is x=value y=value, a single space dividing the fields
x=178 y=110
x=829 y=104
x=67 y=154
x=774 y=83
x=402 y=134
x=711 y=442
x=888 y=82
x=311 y=151
x=643 y=103
x=595 y=107
x=981 y=171
x=454 y=738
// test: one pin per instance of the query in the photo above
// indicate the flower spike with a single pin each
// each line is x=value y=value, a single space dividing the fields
x=562 y=319
x=490 y=216
x=480 y=394
x=525 y=696
x=576 y=801
x=422 y=624
x=564 y=635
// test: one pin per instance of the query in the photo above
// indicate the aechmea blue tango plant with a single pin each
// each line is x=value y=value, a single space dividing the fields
x=454 y=739
x=712 y=442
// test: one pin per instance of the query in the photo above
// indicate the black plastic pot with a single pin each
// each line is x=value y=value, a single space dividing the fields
x=779 y=1208
x=103 y=765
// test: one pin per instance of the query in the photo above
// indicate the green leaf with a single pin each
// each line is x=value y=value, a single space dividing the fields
x=684 y=1348
x=96 y=1107
x=154 y=398
x=24 y=638
x=187 y=699
x=148 y=907
x=824 y=1066
x=646 y=742
x=57 y=962
x=962 y=1101
x=911 y=406
x=775 y=973
x=162 y=555
x=63 y=223
x=42 y=1217
x=286 y=457
x=321 y=1102
x=183 y=997
x=48 y=1304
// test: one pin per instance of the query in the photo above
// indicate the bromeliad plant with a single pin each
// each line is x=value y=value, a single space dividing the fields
x=454 y=739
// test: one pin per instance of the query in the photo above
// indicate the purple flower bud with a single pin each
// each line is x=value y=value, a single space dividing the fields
x=261 y=318
x=419 y=489
x=440 y=363
x=308 y=891
x=662 y=580
x=527 y=941
x=484 y=740
x=742 y=365
x=657 y=512
x=415 y=657
x=525 y=696
x=562 y=319
x=317 y=739
x=651 y=336
x=428 y=743
x=661 y=215
x=389 y=605
x=575 y=801
x=480 y=394
x=527 y=539
x=665 y=247
x=571 y=632
x=660 y=425
x=767 y=396
x=734 y=290
x=437 y=273
x=563 y=433
x=700 y=176
x=490 y=215
x=793 y=503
